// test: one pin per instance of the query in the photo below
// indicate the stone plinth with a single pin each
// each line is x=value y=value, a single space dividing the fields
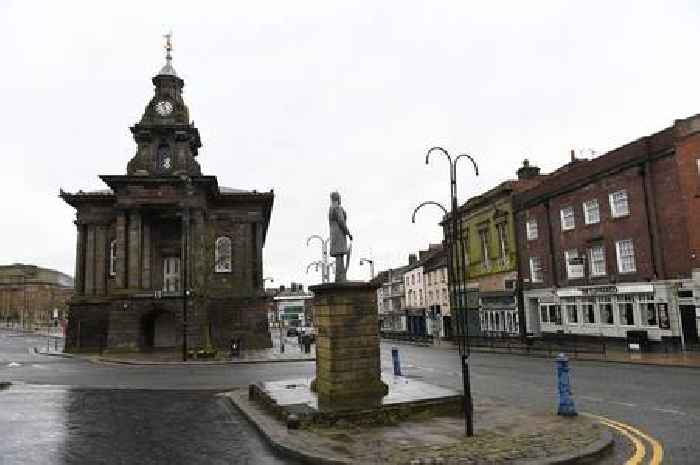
x=348 y=371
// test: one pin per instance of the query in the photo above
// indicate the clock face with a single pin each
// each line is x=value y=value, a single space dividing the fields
x=165 y=161
x=164 y=107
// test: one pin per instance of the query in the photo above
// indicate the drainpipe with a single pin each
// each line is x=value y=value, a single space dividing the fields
x=519 y=296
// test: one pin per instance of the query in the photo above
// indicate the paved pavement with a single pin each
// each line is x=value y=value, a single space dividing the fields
x=663 y=401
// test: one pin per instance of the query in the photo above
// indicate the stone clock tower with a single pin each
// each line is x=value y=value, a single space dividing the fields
x=166 y=258
x=167 y=141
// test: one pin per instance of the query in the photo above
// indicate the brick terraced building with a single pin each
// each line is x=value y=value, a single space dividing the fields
x=610 y=245
x=166 y=251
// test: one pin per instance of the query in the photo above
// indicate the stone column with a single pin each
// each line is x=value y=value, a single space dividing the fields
x=146 y=267
x=348 y=371
x=258 y=277
x=121 y=250
x=198 y=248
x=90 y=260
x=134 y=261
x=100 y=259
x=80 y=260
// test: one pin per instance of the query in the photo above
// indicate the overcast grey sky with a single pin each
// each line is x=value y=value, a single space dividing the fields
x=308 y=97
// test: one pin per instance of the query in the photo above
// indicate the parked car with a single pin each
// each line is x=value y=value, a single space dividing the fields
x=292 y=331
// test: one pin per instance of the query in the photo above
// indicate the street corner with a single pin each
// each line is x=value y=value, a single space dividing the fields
x=505 y=436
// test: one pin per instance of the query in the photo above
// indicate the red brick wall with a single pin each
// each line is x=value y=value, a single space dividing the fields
x=663 y=189
x=687 y=134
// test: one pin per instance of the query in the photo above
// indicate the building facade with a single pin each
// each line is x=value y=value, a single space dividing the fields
x=390 y=300
x=165 y=256
x=32 y=297
x=293 y=307
x=414 y=308
x=609 y=245
x=437 y=299
x=488 y=234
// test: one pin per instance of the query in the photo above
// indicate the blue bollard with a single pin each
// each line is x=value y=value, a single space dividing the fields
x=566 y=401
x=397 y=362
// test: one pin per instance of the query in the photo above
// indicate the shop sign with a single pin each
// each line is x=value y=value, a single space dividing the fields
x=600 y=290
x=570 y=292
x=635 y=288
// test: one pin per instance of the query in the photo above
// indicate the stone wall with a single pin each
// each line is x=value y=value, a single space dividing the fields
x=347 y=344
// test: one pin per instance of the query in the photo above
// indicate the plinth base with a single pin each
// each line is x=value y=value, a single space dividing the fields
x=347 y=344
x=405 y=397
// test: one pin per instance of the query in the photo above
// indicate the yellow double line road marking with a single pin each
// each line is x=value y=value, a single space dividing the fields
x=634 y=435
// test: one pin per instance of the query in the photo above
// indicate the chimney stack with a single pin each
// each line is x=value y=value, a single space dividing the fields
x=526 y=171
x=573 y=155
x=412 y=259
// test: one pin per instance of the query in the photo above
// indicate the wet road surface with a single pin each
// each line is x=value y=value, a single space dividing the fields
x=42 y=425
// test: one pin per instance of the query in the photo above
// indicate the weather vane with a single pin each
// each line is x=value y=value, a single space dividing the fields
x=168 y=46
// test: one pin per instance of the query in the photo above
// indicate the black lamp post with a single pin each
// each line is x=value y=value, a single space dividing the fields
x=457 y=272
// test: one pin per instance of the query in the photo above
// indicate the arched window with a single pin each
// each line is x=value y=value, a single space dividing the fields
x=222 y=255
x=113 y=258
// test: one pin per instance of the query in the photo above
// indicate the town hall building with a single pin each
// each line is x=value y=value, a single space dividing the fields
x=165 y=256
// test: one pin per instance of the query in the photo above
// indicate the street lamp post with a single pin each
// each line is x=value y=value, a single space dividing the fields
x=371 y=266
x=325 y=268
x=456 y=269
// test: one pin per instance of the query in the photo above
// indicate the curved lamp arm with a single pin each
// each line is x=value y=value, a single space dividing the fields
x=316 y=263
x=476 y=167
x=315 y=236
x=437 y=149
x=429 y=202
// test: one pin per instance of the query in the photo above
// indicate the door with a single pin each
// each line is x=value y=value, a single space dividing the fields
x=690 y=327
x=171 y=274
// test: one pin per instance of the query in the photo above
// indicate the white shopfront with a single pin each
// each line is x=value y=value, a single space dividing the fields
x=609 y=311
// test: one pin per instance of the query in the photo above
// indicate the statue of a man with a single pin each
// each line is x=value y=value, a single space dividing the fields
x=338 y=230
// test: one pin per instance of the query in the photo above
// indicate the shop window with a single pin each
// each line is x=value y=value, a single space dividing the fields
x=588 y=311
x=625 y=307
x=606 y=310
x=531 y=229
x=597 y=259
x=591 y=212
x=625 y=256
x=567 y=218
x=555 y=314
x=619 y=205
x=569 y=305
x=664 y=321
x=550 y=313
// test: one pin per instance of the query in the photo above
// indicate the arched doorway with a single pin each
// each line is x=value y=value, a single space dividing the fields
x=159 y=330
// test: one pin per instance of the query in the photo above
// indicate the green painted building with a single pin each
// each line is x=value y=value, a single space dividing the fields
x=488 y=236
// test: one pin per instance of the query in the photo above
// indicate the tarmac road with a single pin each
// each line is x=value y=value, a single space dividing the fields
x=661 y=401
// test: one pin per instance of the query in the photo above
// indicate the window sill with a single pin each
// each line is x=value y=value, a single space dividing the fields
x=619 y=217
